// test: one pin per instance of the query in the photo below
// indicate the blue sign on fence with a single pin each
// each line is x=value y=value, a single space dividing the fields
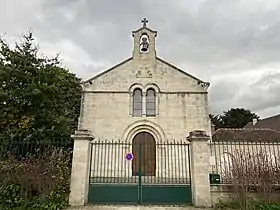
x=129 y=156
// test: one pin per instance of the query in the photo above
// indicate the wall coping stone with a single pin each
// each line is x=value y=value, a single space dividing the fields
x=83 y=135
x=198 y=135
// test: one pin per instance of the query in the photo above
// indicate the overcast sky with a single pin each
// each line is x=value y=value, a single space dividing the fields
x=233 y=44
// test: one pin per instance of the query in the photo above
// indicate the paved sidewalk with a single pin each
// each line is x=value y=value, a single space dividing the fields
x=130 y=207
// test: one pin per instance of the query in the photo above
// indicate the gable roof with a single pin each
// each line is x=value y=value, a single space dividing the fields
x=181 y=71
x=270 y=122
x=246 y=134
x=108 y=70
x=144 y=27
x=159 y=59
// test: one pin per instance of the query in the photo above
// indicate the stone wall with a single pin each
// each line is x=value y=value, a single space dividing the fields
x=220 y=193
x=182 y=103
x=182 y=107
x=107 y=115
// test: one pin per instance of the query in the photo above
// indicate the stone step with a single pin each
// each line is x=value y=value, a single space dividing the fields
x=131 y=207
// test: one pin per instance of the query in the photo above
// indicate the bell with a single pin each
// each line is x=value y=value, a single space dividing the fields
x=144 y=45
x=144 y=48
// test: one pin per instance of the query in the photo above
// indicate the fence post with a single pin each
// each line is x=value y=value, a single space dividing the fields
x=80 y=168
x=199 y=167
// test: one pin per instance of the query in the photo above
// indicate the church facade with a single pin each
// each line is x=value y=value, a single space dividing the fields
x=144 y=93
x=131 y=146
x=138 y=115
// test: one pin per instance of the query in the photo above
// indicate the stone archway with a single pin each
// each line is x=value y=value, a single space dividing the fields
x=144 y=126
x=144 y=150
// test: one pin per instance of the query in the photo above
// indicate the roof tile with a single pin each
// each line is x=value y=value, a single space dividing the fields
x=270 y=122
x=246 y=134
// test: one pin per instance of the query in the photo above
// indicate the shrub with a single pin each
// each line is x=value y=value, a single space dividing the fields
x=251 y=205
x=252 y=173
x=35 y=182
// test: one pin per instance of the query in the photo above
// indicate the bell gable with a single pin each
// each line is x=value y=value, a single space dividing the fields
x=145 y=67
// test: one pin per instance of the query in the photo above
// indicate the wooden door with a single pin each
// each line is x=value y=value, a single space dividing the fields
x=144 y=151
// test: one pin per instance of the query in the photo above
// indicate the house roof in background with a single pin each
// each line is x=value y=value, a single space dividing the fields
x=246 y=134
x=270 y=122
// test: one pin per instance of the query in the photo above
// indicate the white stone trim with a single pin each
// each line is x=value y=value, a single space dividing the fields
x=144 y=126
x=131 y=90
x=151 y=85
x=157 y=90
x=144 y=91
x=135 y=86
x=81 y=116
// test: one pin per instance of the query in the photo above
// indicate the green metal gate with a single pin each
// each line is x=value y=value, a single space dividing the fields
x=112 y=180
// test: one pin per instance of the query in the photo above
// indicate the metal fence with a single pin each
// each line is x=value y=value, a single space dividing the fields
x=161 y=163
x=22 y=149
x=246 y=161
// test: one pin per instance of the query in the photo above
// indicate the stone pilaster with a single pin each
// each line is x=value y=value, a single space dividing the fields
x=199 y=156
x=80 y=168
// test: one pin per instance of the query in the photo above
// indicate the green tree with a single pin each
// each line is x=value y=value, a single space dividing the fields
x=233 y=118
x=39 y=100
x=216 y=120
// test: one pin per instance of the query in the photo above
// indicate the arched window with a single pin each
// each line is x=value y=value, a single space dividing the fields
x=151 y=102
x=137 y=103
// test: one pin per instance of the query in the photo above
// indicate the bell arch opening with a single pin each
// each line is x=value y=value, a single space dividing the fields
x=144 y=43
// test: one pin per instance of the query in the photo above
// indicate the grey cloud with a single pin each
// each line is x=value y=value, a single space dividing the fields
x=221 y=93
x=264 y=93
x=208 y=38
x=219 y=30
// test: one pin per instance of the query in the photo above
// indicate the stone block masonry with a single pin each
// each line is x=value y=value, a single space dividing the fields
x=180 y=103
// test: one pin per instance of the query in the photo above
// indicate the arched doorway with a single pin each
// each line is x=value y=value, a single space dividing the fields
x=144 y=151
